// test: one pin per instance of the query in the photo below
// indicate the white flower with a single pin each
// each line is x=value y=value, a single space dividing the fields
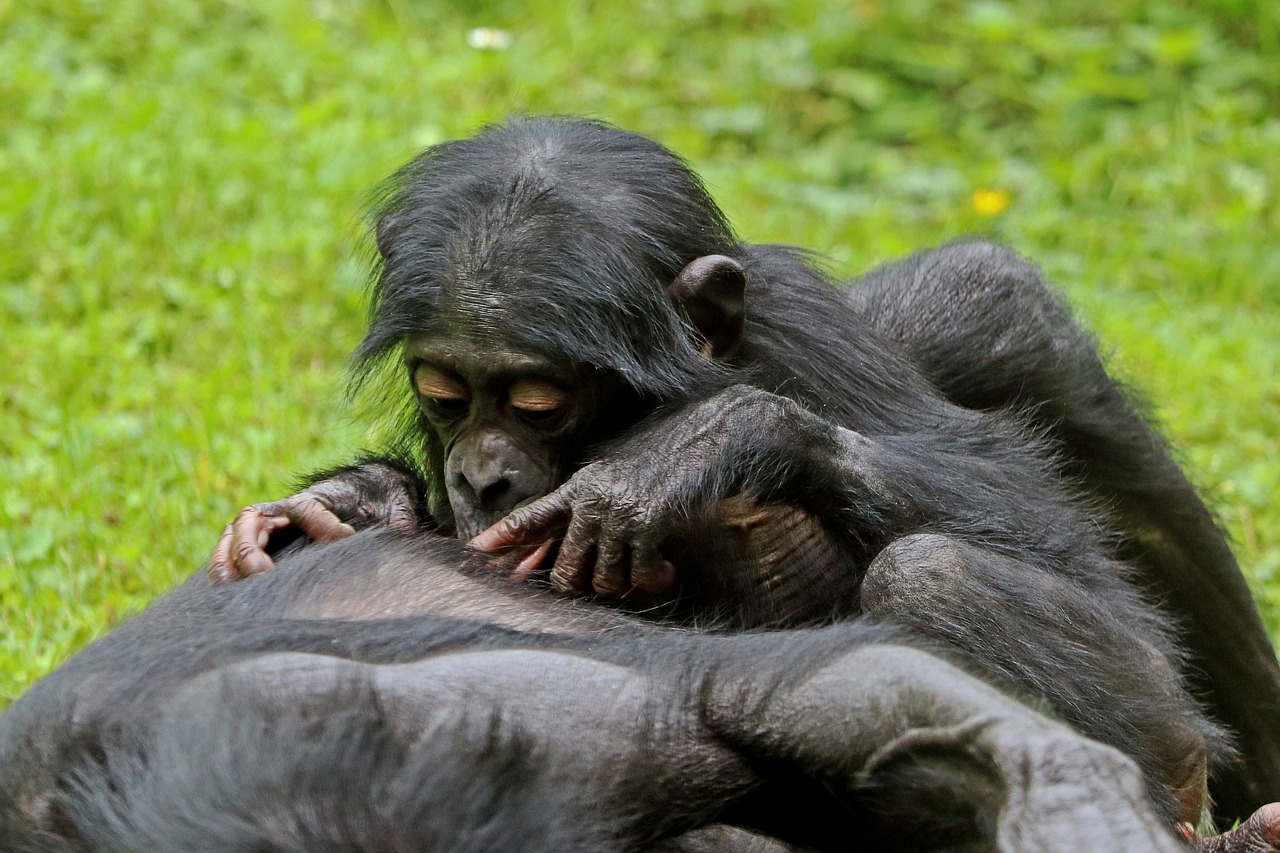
x=488 y=38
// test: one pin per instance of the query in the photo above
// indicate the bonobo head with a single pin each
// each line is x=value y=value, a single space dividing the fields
x=505 y=427
x=550 y=282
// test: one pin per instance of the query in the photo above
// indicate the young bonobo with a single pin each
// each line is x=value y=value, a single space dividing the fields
x=598 y=364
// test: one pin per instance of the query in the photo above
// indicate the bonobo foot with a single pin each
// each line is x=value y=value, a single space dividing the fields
x=776 y=558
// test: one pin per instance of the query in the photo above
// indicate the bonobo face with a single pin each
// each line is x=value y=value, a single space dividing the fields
x=511 y=426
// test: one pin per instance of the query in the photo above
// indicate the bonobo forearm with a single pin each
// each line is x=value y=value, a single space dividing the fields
x=987 y=483
x=979 y=481
x=374 y=491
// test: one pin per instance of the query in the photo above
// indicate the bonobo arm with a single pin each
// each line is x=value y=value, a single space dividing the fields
x=981 y=485
x=379 y=491
x=987 y=330
x=938 y=758
x=968 y=474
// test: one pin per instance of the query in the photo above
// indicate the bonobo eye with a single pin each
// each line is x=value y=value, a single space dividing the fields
x=442 y=390
x=537 y=401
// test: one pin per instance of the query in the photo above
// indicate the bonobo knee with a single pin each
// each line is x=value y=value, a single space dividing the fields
x=911 y=572
x=975 y=317
x=988 y=276
x=984 y=255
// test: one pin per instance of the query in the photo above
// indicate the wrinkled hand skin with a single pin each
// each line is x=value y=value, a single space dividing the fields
x=610 y=533
x=331 y=509
x=1259 y=834
x=612 y=516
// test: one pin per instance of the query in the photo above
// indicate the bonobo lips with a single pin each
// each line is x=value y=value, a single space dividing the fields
x=472 y=521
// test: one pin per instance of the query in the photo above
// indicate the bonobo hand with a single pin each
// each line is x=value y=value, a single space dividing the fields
x=614 y=515
x=363 y=496
x=611 y=530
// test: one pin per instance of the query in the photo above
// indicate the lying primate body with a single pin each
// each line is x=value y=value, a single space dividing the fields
x=595 y=358
x=289 y=713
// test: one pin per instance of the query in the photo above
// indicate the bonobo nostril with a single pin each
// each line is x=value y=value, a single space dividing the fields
x=483 y=484
x=491 y=496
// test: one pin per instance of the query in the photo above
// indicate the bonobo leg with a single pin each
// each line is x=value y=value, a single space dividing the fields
x=615 y=743
x=984 y=327
x=941 y=760
x=1042 y=634
x=978 y=483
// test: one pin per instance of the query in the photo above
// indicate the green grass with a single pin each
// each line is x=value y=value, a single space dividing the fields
x=182 y=185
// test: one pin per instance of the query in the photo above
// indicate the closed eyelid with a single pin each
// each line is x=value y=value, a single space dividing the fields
x=532 y=395
x=432 y=382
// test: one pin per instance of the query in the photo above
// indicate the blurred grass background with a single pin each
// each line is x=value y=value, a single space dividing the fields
x=182 y=182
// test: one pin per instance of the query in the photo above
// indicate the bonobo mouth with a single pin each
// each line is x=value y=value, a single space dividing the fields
x=471 y=521
x=471 y=526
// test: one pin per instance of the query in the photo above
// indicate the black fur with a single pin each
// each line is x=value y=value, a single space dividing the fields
x=275 y=715
x=247 y=772
x=987 y=417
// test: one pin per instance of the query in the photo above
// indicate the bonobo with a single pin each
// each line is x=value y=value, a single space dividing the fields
x=289 y=713
x=597 y=363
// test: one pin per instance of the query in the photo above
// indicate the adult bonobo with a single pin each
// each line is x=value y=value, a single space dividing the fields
x=289 y=713
x=596 y=361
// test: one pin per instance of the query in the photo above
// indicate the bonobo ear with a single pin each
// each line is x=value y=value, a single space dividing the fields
x=712 y=292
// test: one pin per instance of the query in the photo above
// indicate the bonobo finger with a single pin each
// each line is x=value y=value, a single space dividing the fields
x=517 y=564
x=577 y=555
x=221 y=569
x=270 y=526
x=525 y=527
x=316 y=520
x=609 y=579
x=650 y=573
x=1259 y=834
x=509 y=561
x=528 y=565
x=251 y=531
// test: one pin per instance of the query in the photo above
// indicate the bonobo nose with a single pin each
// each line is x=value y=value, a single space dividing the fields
x=492 y=474
x=493 y=487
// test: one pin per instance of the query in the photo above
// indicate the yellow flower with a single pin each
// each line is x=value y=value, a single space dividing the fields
x=990 y=202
